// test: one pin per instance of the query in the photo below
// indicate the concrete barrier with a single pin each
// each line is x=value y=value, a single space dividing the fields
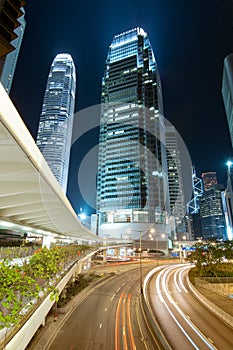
x=222 y=288
x=24 y=335
x=149 y=313
x=212 y=307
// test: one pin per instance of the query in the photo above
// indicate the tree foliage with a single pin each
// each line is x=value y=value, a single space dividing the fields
x=210 y=256
x=17 y=289
x=20 y=285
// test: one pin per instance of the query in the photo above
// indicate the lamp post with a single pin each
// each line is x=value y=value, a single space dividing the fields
x=157 y=241
x=140 y=257
x=140 y=262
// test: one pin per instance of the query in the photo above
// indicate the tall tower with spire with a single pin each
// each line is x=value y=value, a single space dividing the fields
x=56 y=120
x=132 y=186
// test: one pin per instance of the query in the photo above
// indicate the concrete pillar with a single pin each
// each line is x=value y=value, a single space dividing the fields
x=79 y=267
x=104 y=256
x=117 y=252
x=47 y=240
x=125 y=252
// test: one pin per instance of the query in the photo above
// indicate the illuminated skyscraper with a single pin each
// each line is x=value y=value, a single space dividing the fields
x=56 y=120
x=193 y=206
x=227 y=92
x=132 y=175
x=212 y=213
x=175 y=180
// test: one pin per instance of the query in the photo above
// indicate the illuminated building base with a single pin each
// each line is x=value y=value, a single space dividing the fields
x=134 y=231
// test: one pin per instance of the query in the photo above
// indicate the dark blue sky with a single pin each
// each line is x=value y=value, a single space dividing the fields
x=190 y=40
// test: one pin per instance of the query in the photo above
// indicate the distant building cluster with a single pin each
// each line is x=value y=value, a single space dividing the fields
x=211 y=217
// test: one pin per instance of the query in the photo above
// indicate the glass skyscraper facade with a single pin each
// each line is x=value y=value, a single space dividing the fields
x=227 y=92
x=212 y=213
x=132 y=176
x=175 y=181
x=56 y=120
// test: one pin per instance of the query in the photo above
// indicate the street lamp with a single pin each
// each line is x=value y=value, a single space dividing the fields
x=140 y=257
x=140 y=262
x=157 y=241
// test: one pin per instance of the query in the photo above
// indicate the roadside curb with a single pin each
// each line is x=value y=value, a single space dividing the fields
x=224 y=316
x=50 y=330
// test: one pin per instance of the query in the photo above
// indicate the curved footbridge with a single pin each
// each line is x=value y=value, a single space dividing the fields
x=31 y=199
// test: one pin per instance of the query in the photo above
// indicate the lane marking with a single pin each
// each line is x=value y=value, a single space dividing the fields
x=113 y=296
x=124 y=325
x=117 y=340
x=170 y=312
x=175 y=280
x=101 y=325
x=171 y=300
x=106 y=309
x=132 y=342
x=140 y=328
x=181 y=280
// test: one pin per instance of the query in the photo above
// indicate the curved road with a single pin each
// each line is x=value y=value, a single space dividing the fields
x=108 y=319
x=186 y=323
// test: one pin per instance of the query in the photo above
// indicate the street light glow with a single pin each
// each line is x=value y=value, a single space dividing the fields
x=229 y=163
x=82 y=216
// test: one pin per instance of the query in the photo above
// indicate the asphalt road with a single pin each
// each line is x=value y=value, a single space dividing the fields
x=109 y=318
x=186 y=323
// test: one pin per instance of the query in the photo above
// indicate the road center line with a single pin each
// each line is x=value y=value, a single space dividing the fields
x=117 y=340
x=179 y=310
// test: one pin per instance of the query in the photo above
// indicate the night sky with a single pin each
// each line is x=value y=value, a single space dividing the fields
x=190 y=40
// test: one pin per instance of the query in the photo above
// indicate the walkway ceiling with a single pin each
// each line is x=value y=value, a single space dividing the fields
x=29 y=193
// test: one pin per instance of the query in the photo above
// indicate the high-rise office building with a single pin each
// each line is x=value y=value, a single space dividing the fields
x=56 y=120
x=10 y=62
x=228 y=200
x=193 y=206
x=175 y=181
x=227 y=91
x=212 y=213
x=132 y=188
